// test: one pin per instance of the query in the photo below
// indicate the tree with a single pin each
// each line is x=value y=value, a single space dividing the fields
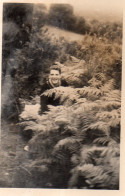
x=61 y=15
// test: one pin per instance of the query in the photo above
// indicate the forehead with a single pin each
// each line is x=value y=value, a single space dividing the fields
x=53 y=71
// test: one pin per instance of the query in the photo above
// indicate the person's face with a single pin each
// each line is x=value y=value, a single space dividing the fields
x=54 y=76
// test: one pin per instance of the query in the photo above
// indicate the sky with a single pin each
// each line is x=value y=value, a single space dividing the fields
x=102 y=5
x=108 y=8
x=114 y=5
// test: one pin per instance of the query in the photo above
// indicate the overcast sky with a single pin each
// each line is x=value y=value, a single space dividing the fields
x=109 y=8
x=104 y=5
x=115 y=5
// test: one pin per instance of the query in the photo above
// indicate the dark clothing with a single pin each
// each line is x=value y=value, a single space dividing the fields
x=44 y=100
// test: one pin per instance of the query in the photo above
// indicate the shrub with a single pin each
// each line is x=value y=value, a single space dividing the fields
x=72 y=146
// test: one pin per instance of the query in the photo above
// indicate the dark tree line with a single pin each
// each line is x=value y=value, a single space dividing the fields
x=62 y=16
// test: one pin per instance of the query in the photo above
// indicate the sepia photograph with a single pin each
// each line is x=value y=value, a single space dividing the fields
x=61 y=79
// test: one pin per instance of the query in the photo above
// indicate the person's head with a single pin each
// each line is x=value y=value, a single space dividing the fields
x=55 y=75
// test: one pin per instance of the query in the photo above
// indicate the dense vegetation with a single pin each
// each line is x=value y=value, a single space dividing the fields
x=76 y=144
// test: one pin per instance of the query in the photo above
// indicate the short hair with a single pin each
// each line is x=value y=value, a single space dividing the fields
x=55 y=67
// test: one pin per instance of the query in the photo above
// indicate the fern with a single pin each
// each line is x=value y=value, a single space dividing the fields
x=78 y=138
x=71 y=94
x=104 y=140
x=111 y=105
x=94 y=168
x=90 y=93
x=90 y=176
x=112 y=95
x=88 y=153
x=113 y=151
x=64 y=93
x=40 y=162
x=70 y=143
x=104 y=127
x=107 y=115
x=97 y=80
x=108 y=86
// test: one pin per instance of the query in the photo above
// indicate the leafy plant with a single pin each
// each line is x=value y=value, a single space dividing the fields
x=77 y=139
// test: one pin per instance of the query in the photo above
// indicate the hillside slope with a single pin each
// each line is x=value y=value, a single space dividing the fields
x=58 y=33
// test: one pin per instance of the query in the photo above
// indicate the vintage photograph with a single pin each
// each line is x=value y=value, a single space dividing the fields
x=61 y=95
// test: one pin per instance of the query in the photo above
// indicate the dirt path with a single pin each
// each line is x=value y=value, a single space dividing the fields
x=12 y=148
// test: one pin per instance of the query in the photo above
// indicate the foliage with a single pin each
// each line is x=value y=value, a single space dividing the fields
x=95 y=170
x=62 y=16
x=100 y=56
x=75 y=140
x=73 y=145
x=110 y=30
x=82 y=61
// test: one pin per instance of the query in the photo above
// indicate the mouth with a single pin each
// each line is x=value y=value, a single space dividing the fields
x=54 y=80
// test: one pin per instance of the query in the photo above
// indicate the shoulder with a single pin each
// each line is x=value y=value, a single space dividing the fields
x=45 y=87
x=64 y=83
